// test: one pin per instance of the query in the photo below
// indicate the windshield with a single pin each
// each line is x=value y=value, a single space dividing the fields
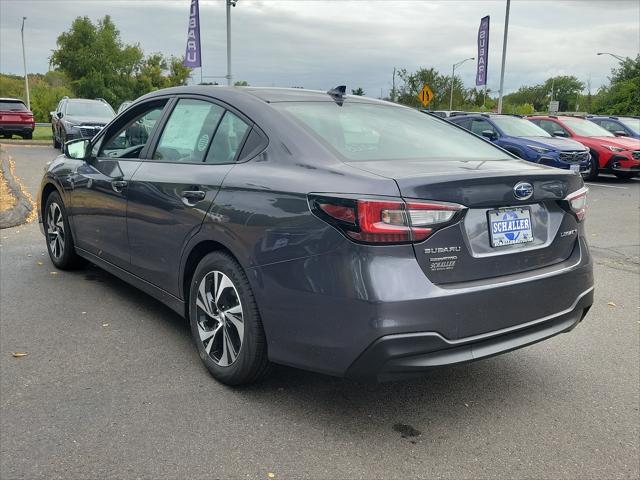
x=518 y=127
x=632 y=123
x=15 y=106
x=89 y=109
x=586 y=128
x=364 y=131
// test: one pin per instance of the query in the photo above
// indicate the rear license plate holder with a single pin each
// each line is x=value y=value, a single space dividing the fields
x=510 y=226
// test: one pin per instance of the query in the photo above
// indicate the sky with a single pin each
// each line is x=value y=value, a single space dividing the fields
x=320 y=44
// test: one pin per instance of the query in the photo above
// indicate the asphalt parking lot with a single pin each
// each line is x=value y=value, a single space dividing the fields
x=112 y=386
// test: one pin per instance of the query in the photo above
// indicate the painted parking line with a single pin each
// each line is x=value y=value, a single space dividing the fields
x=605 y=186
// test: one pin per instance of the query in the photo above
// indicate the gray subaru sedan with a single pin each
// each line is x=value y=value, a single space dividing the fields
x=334 y=233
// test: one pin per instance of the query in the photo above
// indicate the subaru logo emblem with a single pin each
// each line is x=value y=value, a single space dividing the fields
x=523 y=190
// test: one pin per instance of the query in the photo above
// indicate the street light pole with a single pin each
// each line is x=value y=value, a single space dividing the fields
x=621 y=59
x=24 y=62
x=229 y=3
x=453 y=76
x=504 y=55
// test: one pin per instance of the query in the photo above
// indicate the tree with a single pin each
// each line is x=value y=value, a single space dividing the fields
x=622 y=95
x=566 y=90
x=412 y=83
x=241 y=83
x=358 y=91
x=98 y=64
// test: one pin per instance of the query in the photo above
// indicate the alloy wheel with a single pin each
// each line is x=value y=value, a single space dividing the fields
x=55 y=230
x=220 y=318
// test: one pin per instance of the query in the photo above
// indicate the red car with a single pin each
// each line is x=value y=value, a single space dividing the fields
x=617 y=155
x=15 y=119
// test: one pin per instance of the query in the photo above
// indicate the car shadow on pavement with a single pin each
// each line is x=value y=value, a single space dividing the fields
x=500 y=386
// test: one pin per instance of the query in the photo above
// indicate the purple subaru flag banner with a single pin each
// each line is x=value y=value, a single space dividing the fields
x=192 y=55
x=483 y=51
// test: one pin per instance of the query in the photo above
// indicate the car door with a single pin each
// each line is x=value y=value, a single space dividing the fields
x=171 y=192
x=100 y=185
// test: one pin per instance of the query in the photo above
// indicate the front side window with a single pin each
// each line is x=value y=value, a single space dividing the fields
x=550 y=127
x=366 y=131
x=129 y=140
x=188 y=131
x=478 y=126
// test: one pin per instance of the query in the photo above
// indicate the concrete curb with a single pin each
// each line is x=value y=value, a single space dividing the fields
x=14 y=143
x=24 y=206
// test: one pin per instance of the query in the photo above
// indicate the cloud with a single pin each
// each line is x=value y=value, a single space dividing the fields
x=319 y=44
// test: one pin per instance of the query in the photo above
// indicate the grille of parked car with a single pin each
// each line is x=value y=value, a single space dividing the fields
x=574 y=157
x=636 y=154
x=90 y=130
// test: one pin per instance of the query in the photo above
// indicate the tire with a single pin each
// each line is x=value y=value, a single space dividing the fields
x=228 y=330
x=58 y=235
x=27 y=136
x=56 y=143
x=593 y=173
x=62 y=141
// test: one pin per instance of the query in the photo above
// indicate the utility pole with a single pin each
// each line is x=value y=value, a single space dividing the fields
x=230 y=3
x=453 y=76
x=504 y=55
x=393 y=86
x=24 y=62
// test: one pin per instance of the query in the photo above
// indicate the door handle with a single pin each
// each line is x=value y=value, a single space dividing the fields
x=193 y=195
x=118 y=185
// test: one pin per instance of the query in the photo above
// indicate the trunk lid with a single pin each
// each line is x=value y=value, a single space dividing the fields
x=463 y=251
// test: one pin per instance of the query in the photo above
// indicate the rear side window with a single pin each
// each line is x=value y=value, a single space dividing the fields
x=188 y=131
x=366 y=131
x=227 y=140
x=13 y=106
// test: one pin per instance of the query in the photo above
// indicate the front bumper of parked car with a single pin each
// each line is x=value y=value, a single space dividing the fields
x=624 y=162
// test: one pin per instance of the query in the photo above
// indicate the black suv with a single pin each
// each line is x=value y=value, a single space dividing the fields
x=79 y=118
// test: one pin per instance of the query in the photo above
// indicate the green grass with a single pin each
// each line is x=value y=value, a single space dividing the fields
x=42 y=133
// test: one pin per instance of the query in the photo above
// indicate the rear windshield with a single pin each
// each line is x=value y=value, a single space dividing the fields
x=364 y=131
x=89 y=109
x=16 y=106
x=518 y=127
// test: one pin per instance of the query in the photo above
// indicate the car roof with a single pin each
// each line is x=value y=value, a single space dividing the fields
x=265 y=94
x=7 y=99
x=83 y=100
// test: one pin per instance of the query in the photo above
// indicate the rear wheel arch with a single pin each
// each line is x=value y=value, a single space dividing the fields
x=197 y=253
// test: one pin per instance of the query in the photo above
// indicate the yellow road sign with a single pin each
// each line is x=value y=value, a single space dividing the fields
x=425 y=95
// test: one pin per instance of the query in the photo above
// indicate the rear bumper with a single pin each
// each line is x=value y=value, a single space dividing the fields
x=329 y=312
x=17 y=127
x=406 y=355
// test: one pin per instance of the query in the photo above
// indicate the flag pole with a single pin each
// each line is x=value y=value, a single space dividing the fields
x=504 y=55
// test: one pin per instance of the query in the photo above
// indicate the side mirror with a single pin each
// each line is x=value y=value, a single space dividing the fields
x=560 y=133
x=490 y=134
x=77 y=149
x=620 y=133
x=60 y=114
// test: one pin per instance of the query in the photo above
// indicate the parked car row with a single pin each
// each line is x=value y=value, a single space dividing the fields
x=590 y=145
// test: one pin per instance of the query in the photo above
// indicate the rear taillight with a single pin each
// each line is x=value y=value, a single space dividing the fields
x=384 y=221
x=578 y=202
